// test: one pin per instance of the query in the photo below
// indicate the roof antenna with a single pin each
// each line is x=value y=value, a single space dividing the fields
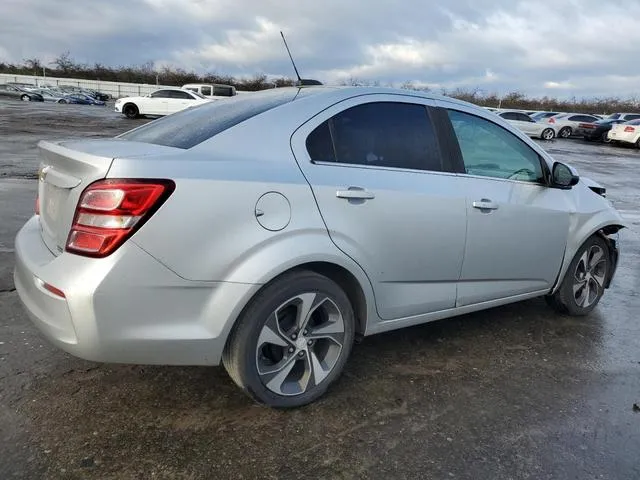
x=301 y=81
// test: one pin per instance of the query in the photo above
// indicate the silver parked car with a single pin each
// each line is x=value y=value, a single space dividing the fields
x=265 y=232
x=19 y=93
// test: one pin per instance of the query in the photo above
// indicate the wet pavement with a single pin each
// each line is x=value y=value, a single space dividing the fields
x=516 y=392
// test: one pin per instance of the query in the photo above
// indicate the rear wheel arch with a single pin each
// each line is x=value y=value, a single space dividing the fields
x=348 y=283
x=345 y=279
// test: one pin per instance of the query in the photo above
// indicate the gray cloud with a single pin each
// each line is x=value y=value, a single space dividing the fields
x=574 y=47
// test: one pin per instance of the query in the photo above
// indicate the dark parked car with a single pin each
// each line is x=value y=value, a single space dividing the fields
x=85 y=91
x=17 y=93
x=85 y=99
x=597 y=131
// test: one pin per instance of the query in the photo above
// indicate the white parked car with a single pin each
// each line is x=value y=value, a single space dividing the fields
x=628 y=132
x=624 y=116
x=528 y=125
x=568 y=123
x=161 y=102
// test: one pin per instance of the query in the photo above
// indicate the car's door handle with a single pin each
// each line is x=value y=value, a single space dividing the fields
x=485 y=204
x=355 y=193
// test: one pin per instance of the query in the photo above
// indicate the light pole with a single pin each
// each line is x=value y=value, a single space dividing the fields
x=44 y=71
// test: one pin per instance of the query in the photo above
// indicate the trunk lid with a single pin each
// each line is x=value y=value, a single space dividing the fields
x=66 y=169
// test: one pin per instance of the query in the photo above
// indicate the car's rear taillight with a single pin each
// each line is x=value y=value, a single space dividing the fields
x=37 y=208
x=629 y=129
x=110 y=211
x=552 y=120
x=587 y=126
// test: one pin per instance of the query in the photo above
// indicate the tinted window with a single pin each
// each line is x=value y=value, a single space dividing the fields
x=509 y=115
x=206 y=90
x=523 y=117
x=582 y=118
x=385 y=134
x=614 y=115
x=180 y=95
x=223 y=91
x=490 y=150
x=161 y=94
x=320 y=145
x=632 y=117
x=192 y=126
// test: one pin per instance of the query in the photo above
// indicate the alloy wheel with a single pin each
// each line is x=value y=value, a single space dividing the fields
x=589 y=276
x=565 y=132
x=300 y=344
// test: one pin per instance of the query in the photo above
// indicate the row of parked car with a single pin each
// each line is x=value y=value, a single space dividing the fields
x=56 y=94
x=617 y=127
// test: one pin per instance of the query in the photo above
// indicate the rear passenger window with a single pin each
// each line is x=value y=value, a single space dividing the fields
x=206 y=90
x=319 y=144
x=180 y=95
x=383 y=134
x=161 y=94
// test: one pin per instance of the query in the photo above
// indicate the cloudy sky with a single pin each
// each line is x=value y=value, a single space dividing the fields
x=560 y=48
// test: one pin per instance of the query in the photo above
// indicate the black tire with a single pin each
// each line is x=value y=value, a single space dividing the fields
x=605 y=138
x=548 y=134
x=130 y=110
x=241 y=354
x=62 y=100
x=565 y=132
x=638 y=143
x=25 y=98
x=564 y=300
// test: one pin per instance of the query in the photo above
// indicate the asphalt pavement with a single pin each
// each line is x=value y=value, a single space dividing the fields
x=516 y=392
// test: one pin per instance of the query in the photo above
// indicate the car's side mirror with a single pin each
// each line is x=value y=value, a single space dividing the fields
x=563 y=176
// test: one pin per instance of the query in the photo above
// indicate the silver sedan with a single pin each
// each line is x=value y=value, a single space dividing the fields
x=265 y=232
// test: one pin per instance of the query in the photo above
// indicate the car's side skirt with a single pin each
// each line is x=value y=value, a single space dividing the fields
x=452 y=312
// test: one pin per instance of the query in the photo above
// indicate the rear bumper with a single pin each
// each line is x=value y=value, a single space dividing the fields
x=622 y=137
x=126 y=308
x=591 y=134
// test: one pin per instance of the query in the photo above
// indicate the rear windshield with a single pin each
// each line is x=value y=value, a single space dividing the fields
x=188 y=128
x=633 y=122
